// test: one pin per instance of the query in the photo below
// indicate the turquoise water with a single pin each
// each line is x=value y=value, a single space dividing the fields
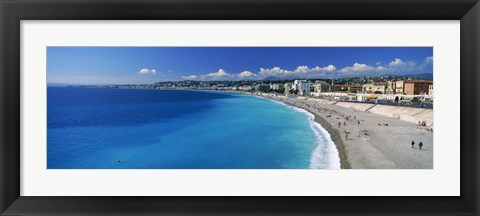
x=92 y=128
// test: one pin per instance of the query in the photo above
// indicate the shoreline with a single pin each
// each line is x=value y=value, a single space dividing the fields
x=374 y=141
x=382 y=138
x=334 y=135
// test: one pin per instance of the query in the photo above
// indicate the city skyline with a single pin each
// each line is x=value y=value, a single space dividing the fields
x=144 y=65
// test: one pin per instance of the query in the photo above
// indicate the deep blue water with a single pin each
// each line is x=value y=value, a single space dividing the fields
x=91 y=128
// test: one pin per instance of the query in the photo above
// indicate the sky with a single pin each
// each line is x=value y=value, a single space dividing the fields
x=143 y=65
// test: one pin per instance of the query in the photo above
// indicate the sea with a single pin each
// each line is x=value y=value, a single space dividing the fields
x=112 y=128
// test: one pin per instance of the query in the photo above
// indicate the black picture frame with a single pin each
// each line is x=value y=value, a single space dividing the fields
x=13 y=11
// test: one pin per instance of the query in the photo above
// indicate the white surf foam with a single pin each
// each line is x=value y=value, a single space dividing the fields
x=325 y=155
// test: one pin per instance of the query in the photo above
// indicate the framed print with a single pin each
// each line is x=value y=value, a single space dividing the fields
x=239 y=107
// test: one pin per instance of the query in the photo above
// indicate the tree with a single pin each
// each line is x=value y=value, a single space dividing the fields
x=415 y=100
x=293 y=91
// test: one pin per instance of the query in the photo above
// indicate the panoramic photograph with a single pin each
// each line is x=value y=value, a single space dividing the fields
x=240 y=107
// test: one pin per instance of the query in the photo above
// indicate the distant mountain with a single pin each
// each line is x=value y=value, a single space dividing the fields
x=58 y=84
x=426 y=76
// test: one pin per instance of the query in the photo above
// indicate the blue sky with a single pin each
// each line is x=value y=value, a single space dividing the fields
x=135 y=65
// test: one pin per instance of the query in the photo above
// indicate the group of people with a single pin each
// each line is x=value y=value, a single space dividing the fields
x=420 y=145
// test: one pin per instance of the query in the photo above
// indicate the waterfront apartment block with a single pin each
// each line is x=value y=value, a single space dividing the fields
x=417 y=87
x=303 y=87
x=319 y=87
x=263 y=87
x=399 y=86
x=346 y=88
x=287 y=86
x=374 y=88
x=277 y=87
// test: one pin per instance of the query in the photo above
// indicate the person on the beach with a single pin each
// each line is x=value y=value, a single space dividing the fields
x=358 y=121
x=346 y=135
x=339 y=124
x=420 y=144
x=413 y=143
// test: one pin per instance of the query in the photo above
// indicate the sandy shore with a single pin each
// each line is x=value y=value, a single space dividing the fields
x=370 y=146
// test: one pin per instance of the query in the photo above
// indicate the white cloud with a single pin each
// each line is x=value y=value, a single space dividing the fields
x=329 y=68
x=303 y=71
x=357 y=67
x=395 y=66
x=146 y=71
x=265 y=72
x=427 y=63
x=246 y=74
x=191 y=77
x=428 y=60
x=223 y=75
x=219 y=73
x=396 y=62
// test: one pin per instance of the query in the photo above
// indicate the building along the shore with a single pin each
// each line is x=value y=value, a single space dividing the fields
x=416 y=87
x=373 y=88
x=389 y=87
x=277 y=87
x=287 y=86
x=355 y=88
x=318 y=87
x=303 y=87
x=338 y=88
x=263 y=87
x=399 y=87
x=413 y=87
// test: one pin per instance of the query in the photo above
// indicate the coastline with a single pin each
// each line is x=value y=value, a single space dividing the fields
x=334 y=135
x=380 y=140
x=374 y=141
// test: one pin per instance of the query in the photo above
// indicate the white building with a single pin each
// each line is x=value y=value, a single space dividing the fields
x=303 y=87
x=287 y=86
x=319 y=87
x=245 y=88
x=277 y=87
x=372 y=88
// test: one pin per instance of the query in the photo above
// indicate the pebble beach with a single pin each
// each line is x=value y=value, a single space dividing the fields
x=370 y=141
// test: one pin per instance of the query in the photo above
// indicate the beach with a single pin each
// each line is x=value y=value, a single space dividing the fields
x=374 y=141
